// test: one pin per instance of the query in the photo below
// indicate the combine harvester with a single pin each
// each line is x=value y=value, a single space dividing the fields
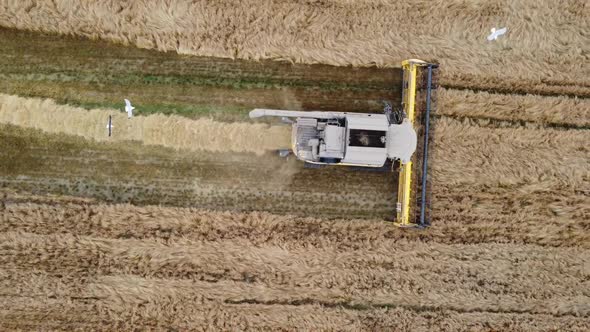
x=396 y=141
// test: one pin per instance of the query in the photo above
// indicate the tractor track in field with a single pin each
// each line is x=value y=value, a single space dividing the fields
x=67 y=316
x=551 y=90
x=415 y=308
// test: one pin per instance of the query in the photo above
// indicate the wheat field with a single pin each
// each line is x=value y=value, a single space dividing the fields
x=546 y=51
x=186 y=220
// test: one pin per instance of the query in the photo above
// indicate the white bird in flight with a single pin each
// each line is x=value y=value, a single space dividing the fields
x=496 y=33
x=128 y=108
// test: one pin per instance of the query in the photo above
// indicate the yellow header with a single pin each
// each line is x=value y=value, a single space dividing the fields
x=404 y=196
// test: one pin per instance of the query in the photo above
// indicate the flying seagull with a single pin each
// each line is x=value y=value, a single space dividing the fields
x=496 y=33
x=128 y=108
x=110 y=125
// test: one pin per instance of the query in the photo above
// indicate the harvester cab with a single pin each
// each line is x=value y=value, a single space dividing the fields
x=393 y=141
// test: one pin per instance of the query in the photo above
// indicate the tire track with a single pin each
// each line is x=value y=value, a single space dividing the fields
x=493 y=122
x=504 y=86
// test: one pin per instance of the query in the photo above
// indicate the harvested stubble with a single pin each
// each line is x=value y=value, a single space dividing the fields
x=132 y=172
x=182 y=268
x=544 y=49
x=170 y=131
x=80 y=71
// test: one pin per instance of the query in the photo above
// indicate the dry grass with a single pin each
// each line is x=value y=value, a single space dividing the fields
x=346 y=32
x=169 y=131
